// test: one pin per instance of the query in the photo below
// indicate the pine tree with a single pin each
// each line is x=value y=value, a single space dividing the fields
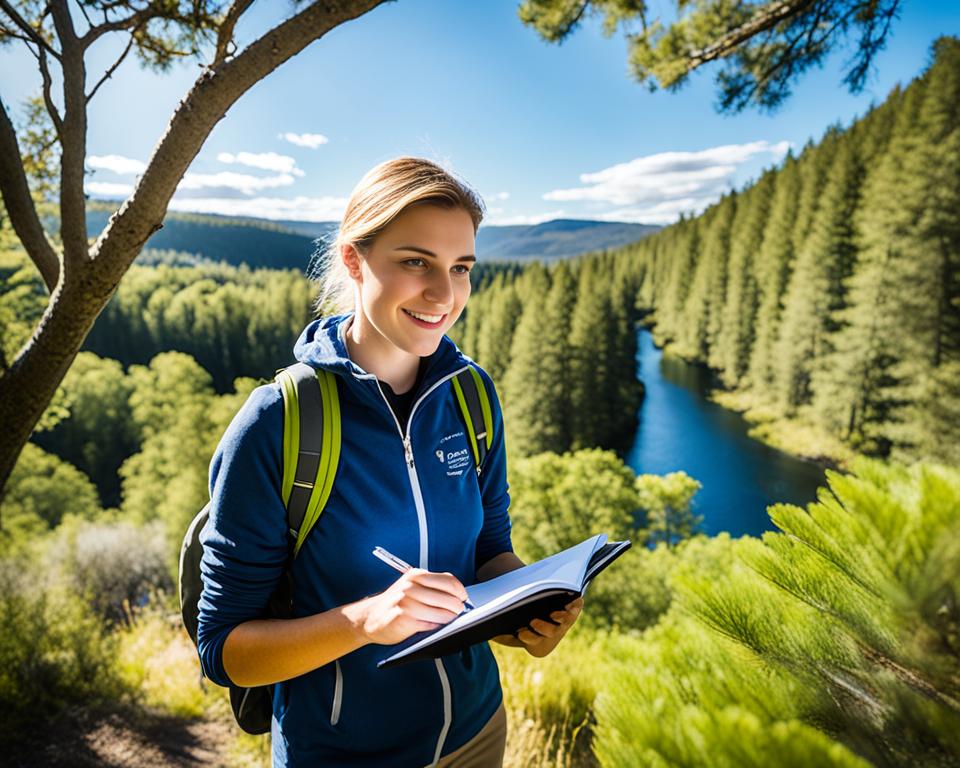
x=501 y=314
x=855 y=390
x=704 y=303
x=590 y=342
x=928 y=272
x=740 y=308
x=533 y=396
x=772 y=269
x=817 y=285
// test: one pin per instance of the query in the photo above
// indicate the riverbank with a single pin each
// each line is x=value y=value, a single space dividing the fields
x=797 y=437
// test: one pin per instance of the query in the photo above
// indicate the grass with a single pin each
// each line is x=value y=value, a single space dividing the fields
x=549 y=701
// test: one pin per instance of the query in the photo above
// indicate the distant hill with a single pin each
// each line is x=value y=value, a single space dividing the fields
x=557 y=239
x=289 y=244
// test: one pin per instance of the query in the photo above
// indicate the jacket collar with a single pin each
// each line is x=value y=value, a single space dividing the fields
x=323 y=345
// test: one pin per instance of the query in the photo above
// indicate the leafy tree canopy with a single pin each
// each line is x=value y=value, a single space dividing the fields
x=765 y=46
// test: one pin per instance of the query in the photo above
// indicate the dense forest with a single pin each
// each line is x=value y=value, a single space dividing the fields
x=828 y=292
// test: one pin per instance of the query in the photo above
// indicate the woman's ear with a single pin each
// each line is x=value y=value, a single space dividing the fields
x=351 y=259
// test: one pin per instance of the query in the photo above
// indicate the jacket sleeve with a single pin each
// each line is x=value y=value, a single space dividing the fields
x=245 y=540
x=494 y=536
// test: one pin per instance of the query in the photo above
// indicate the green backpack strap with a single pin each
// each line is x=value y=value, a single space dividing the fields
x=475 y=408
x=311 y=445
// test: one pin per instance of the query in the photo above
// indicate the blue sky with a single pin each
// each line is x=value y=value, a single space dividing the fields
x=541 y=130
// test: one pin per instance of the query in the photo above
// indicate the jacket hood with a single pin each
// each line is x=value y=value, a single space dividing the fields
x=323 y=345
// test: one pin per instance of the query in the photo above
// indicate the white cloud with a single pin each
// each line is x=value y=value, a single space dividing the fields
x=496 y=196
x=296 y=208
x=497 y=218
x=665 y=212
x=117 y=164
x=241 y=182
x=664 y=184
x=267 y=161
x=308 y=140
x=107 y=189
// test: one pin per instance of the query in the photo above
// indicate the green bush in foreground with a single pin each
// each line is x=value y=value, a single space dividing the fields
x=54 y=651
x=830 y=643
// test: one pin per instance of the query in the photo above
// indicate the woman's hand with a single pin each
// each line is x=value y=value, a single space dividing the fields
x=542 y=637
x=419 y=600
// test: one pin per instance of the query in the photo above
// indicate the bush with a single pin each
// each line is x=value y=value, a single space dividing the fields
x=41 y=490
x=54 y=651
x=117 y=566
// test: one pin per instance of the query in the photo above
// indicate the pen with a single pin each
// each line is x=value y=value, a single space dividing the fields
x=395 y=562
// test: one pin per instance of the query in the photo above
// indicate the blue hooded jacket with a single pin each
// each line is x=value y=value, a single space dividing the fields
x=432 y=510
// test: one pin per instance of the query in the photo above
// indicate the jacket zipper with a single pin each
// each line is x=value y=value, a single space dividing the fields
x=424 y=543
x=337 y=696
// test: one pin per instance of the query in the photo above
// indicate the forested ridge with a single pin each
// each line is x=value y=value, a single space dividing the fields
x=828 y=292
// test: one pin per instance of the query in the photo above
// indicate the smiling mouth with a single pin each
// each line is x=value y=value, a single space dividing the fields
x=425 y=320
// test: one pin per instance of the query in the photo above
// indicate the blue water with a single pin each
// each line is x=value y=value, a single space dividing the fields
x=680 y=430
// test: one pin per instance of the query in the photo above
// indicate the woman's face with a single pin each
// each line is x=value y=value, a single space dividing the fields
x=419 y=264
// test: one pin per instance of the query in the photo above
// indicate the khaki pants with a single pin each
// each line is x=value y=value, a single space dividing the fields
x=485 y=750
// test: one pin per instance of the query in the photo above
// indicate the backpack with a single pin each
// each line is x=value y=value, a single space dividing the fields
x=311 y=454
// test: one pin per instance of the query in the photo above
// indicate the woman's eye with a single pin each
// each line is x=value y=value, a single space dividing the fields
x=459 y=269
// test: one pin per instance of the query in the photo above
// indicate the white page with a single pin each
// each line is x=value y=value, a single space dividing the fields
x=567 y=567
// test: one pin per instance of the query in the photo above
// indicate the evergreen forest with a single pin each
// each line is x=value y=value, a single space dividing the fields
x=825 y=297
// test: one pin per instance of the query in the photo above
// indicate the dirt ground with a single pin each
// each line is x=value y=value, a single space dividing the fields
x=121 y=739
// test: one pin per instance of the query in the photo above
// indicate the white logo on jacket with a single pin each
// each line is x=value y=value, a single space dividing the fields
x=456 y=459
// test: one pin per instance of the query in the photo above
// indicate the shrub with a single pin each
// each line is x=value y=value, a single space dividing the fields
x=54 y=651
x=117 y=566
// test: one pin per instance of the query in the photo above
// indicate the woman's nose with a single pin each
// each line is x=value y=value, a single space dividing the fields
x=440 y=289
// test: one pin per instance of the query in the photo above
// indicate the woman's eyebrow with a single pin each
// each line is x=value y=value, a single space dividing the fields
x=425 y=252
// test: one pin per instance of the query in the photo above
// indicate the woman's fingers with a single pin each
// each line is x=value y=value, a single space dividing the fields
x=444 y=582
x=436 y=603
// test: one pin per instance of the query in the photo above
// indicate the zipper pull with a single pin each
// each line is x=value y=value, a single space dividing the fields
x=408 y=451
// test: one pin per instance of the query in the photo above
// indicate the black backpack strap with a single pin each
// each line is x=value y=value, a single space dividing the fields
x=475 y=408
x=310 y=423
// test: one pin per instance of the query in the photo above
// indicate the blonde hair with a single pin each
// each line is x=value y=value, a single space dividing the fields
x=385 y=191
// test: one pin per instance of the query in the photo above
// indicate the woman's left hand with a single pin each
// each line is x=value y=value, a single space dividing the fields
x=542 y=637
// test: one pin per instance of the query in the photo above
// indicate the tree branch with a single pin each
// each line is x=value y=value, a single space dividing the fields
x=47 y=96
x=773 y=15
x=73 y=141
x=225 y=34
x=20 y=207
x=131 y=22
x=109 y=73
x=35 y=36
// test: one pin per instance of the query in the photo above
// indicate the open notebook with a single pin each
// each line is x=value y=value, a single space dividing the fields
x=509 y=602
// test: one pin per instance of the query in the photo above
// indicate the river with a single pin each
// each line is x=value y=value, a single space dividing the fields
x=679 y=429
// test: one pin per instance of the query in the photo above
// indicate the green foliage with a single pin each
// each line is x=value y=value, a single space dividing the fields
x=232 y=321
x=23 y=296
x=116 y=566
x=764 y=49
x=43 y=489
x=97 y=433
x=832 y=643
x=180 y=421
x=54 y=652
x=666 y=502
x=558 y=501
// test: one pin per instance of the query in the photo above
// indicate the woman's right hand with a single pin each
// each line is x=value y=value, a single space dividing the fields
x=419 y=600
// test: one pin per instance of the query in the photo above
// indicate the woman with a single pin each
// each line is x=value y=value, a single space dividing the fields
x=401 y=263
